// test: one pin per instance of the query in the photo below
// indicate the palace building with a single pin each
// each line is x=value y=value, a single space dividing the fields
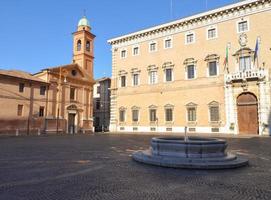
x=209 y=72
x=56 y=99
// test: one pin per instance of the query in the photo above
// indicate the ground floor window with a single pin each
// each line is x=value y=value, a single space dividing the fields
x=135 y=115
x=214 y=111
x=20 y=110
x=122 y=115
x=169 y=114
x=152 y=115
x=191 y=114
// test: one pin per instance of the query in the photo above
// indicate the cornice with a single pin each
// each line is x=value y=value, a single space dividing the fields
x=222 y=14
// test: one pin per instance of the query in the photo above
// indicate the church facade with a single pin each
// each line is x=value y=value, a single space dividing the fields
x=56 y=99
x=209 y=73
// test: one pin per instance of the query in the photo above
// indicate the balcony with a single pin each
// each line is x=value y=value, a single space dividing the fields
x=252 y=74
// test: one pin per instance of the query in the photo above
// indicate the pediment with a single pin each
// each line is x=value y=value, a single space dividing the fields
x=72 y=71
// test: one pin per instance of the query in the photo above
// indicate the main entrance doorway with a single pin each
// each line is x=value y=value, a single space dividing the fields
x=71 y=123
x=247 y=109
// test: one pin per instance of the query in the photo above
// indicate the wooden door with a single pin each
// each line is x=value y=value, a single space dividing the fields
x=247 y=108
x=71 y=123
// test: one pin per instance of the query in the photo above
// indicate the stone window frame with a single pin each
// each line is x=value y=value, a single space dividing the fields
x=243 y=19
x=210 y=105
x=212 y=58
x=171 y=42
x=191 y=105
x=121 y=74
x=122 y=109
x=169 y=106
x=133 y=72
x=136 y=46
x=152 y=68
x=20 y=110
x=188 y=62
x=137 y=109
x=210 y=28
x=244 y=52
x=123 y=50
x=156 y=46
x=165 y=66
x=187 y=34
x=153 y=107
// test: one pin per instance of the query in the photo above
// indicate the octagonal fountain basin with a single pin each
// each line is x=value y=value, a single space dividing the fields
x=193 y=153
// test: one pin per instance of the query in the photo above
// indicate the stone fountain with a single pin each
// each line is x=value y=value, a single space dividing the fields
x=192 y=152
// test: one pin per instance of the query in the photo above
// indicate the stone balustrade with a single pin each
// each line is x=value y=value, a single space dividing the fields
x=251 y=74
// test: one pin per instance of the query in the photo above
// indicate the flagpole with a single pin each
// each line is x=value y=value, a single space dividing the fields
x=258 y=53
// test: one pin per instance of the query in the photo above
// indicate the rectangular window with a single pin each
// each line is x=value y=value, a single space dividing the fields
x=169 y=114
x=212 y=68
x=98 y=105
x=135 y=51
x=21 y=87
x=152 y=115
x=135 y=79
x=190 y=71
x=153 y=47
x=211 y=33
x=98 y=89
x=191 y=114
x=123 y=81
x=153 y=77
x=168 y=43
x=72 y=93
x=135 y=115
x=168 y=74
x=20 y=110
x=214 y=113
x=41 y=111
x=244 y=63
x=190 y=38
x=122 y=116
x=242 y=26
x=42 y=90
x=123 y=54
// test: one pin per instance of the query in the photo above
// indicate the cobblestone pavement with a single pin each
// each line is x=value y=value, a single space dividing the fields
x=100 y=167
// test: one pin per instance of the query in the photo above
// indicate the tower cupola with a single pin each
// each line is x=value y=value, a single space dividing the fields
x=83 y=24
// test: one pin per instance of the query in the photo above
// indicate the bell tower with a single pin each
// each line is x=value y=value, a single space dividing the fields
x=83 y=41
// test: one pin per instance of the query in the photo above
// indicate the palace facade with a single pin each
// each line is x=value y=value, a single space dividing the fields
x=209 y=72
x=56 y=99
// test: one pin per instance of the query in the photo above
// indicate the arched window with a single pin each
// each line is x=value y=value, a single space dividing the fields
x=79 y=45
x=88 y=46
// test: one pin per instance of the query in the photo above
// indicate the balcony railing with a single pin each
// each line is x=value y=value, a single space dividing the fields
x=251 y=74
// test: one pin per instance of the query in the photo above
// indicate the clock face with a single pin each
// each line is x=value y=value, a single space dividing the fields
x=74 y=72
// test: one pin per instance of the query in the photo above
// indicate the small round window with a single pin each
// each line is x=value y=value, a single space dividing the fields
x=74 y=72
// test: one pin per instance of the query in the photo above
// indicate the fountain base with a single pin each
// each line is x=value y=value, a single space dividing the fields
x=196 y=153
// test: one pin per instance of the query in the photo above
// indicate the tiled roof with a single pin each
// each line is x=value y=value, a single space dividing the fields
x=21 y=75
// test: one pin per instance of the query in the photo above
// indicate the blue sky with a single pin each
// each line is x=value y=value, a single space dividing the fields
x=35 y=34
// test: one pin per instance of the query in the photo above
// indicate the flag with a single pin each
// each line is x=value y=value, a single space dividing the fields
x=256 y=53
x=226 y=60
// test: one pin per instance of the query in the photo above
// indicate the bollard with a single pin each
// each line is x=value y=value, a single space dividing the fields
x=17 y=132
x=38 y=131
x=84 y=131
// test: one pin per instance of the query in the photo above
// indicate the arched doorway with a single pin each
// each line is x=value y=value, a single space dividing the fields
x=247 y=109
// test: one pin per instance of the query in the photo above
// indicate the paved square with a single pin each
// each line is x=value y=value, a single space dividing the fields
x=85 y=167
